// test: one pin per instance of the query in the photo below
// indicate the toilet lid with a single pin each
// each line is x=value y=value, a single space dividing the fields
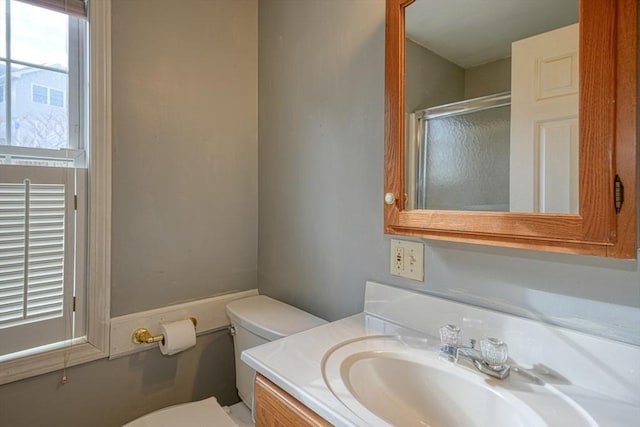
x=204 y=413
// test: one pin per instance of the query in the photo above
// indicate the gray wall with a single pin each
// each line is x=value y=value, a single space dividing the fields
x=488 y=79
x=321 y=123
x=321 y=145
x=184 y=206
x=430 y=79
x=184 y=151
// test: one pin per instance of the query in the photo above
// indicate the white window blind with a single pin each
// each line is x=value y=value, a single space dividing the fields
x=32 y=253
x=37 y=245
x=70 y=7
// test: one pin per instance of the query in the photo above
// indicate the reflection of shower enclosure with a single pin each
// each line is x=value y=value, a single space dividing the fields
x=460 y=155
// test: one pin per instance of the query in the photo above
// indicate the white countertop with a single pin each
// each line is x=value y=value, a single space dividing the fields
x=294 y=363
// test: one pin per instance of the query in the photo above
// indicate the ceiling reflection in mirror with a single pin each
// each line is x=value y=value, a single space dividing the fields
x=491 y=105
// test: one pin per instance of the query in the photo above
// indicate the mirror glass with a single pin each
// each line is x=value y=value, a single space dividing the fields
x=491 y=105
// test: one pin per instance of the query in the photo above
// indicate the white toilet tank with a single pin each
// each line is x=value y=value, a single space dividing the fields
x=257 y=320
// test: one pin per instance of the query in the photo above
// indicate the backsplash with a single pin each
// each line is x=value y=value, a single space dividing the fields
x=593 y=295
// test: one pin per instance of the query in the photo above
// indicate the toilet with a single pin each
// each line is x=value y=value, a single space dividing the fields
x=255 y=320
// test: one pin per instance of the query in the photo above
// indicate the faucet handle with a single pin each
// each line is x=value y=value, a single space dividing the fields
x=494 y=352
x=450 y=335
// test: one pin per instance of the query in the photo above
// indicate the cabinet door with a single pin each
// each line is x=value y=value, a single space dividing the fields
x=600 y=217
x=273 y=407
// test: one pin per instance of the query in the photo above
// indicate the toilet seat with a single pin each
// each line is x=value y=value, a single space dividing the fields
x=204 y=413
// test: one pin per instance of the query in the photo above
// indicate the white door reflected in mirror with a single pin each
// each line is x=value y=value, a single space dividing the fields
x=544 y=123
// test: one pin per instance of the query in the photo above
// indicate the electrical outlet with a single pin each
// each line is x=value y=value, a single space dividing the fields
x=397 y=259
x=407 y=259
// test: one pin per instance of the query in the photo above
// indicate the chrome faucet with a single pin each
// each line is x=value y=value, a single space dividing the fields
x=490 y=359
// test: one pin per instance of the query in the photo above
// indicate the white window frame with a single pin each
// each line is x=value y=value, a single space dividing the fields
x=96 y=344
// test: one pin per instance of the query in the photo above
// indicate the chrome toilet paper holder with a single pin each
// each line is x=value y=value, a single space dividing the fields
x=143 y=336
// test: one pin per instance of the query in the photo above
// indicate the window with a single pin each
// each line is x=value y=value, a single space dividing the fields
x=56 y=98
x=45 y=95
x=39 y=94
x=41 y=64
x=54 y=306
x=42 y=241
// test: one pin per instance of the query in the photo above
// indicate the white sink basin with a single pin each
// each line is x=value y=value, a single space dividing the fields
x=388 y=381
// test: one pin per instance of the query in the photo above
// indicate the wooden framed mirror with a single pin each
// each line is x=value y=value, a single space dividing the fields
x=604 y=222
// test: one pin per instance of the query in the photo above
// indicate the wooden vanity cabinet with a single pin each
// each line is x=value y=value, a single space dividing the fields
x=274 y=407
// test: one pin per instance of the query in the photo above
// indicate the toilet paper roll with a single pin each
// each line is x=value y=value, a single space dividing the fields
x=178 y=336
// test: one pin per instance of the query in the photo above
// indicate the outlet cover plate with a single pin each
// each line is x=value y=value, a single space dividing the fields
x=407 y=259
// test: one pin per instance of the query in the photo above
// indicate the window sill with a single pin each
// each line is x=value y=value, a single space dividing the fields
x=48 y=361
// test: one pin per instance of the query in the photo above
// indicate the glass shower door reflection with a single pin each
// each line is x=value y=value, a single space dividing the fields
x=463 y=158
